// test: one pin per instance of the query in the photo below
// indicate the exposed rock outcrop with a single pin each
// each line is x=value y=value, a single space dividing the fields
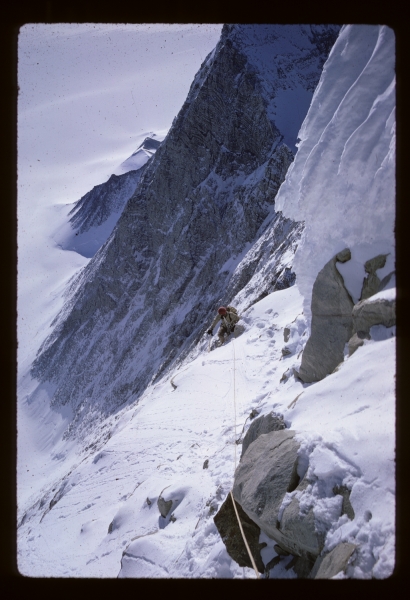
x=265 y=474
x=263 y=424
x=301 y=528
x=371 y=283
x=332 y=322
x=347 y=508
x=268 y=489
x=334 y=562
x=164 y=506
x=388 y=281
x=379 y=311
x=356 y=341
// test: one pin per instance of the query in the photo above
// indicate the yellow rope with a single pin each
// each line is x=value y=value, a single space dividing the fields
x=233 y=500
x=244 y=538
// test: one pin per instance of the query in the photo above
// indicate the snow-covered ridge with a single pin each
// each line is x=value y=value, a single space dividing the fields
x=95 y=215
x=288 y=58
x=141 y=155
x=204 y=197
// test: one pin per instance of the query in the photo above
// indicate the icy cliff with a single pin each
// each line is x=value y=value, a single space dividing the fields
x=342 y=184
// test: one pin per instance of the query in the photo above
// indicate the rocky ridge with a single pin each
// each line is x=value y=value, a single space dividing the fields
x=203 y=200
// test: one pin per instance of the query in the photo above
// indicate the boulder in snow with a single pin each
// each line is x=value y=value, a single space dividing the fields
x=347 y=508
x=164 y=506
x=333 y=563
x=388 y=281
x=301 y=528
x=371 y=283
x=356 y=341
x=228 y=527
x=263 y=424
x=267 y=471
x=332 y=323
x=379 y=311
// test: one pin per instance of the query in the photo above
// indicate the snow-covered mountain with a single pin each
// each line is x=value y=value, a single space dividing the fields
x=141 y=155
x=95 y=215
x=130 y=410
x=204 y=199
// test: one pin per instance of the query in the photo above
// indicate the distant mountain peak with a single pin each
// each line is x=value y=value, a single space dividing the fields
x=141 y=155
x=149 y=144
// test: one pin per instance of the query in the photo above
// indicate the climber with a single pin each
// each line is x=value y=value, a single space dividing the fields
x=229 y=317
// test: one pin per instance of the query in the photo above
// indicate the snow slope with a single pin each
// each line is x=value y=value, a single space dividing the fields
x=202 y=199
x=141 y=155
x=92 y=512
x=345 y=424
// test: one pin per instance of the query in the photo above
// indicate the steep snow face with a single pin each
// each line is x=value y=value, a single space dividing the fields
x=96 y=514
x=342 y=183
x=147 y=296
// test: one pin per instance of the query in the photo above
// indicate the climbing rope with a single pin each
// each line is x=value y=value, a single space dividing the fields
x=235 y=459
x=235 y=445
x=234 y=397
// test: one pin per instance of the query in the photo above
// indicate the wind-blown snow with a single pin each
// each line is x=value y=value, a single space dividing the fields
x=142 y=154
x=342 y=182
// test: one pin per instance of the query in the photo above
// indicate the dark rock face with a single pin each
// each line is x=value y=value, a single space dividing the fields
x=150 y=144
x=264 y=424
x=332 y=323
x=387 y=280
x=302 y=565
x=145 y=299
x=356 y=341
x=97 y=205
x=301 y=528
x=347 y=508
x=227 y=525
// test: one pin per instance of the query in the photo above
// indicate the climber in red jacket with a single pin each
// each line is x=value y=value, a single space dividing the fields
x=229 y=317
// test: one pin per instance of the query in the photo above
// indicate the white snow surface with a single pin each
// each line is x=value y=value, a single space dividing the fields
x=345 y=425
x=342 y=182
x=85 y=512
